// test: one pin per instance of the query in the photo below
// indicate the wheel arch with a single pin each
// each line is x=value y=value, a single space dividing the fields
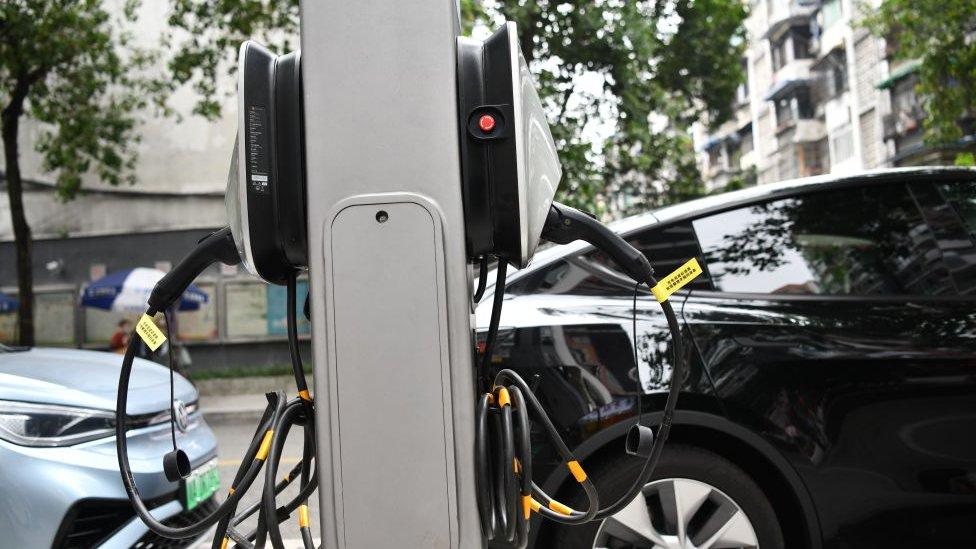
x=750 y=452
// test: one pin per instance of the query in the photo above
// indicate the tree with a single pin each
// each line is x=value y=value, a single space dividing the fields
x=67 y=66
x=622 y=81
x=942 y=35
x=658 y=67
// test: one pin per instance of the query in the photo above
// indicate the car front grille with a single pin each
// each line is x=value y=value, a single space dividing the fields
x=91 y=521
x=152 y=540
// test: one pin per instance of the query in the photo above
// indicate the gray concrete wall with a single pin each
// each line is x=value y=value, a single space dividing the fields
x=115 y=251
x=76 y=256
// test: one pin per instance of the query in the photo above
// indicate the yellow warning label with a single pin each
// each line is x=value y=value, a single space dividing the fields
x=149 y=332
x=676 y=280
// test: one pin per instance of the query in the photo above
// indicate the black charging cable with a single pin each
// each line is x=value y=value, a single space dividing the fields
x=507 y=495
x=264 y=450
x=479 y=292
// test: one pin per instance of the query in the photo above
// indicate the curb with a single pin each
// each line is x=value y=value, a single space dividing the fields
x=241 y=398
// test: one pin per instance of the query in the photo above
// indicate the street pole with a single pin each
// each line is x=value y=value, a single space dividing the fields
x=390 y=284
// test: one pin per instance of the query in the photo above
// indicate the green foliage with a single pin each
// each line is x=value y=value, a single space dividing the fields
x=942 y=34
x=68 y=66
x=657 y=66
x=741 y=180
x=654 y=68
x=206 y=35
x=966 y=159
x=472 y=13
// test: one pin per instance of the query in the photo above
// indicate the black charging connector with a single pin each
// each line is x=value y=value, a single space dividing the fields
x=216 y=247
x=565 y=224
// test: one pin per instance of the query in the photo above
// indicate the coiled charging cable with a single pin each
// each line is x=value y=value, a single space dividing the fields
x=264 y=450
x=507 y=494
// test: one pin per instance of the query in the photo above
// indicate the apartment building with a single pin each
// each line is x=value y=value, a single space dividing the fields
x=822 y=95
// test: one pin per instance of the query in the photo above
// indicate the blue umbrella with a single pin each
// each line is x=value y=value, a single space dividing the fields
x=128 y=291
x=8 y=304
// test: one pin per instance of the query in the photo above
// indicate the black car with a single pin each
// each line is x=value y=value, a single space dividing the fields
x=831 y=400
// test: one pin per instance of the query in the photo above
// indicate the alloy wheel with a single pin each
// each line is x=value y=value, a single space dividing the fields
x=678 y=513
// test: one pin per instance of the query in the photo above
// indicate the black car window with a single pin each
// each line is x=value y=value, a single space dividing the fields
x=862 y=241
x=950 y=210
x=961 y=197
x=593 y=273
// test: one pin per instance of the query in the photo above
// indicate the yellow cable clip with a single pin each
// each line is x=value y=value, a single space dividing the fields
x=560 y=508
x=503 y=397
x=305 y=395
x=578 y=473
x=303 y=516
x=265 y=446
x=526 y=507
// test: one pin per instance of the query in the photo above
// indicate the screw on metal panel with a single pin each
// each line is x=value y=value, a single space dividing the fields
x=382 y=216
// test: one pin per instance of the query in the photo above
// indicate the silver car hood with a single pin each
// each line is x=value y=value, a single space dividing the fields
x=72 y=377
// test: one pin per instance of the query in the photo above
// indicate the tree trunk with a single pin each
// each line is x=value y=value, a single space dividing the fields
x=22 y=232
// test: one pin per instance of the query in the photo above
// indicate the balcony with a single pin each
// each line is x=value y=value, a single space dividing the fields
x=902 y=123
x=796 y=70
x=785 y=13
x=830 y=39
x=802 y=130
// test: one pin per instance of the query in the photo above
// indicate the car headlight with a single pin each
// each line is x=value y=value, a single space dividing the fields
x=30 y=424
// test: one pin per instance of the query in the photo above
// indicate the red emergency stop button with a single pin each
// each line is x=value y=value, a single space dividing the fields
x=486 y=123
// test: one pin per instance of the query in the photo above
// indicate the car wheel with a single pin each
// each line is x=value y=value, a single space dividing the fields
x=696 y=499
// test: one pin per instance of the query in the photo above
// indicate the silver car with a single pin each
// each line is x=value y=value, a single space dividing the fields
x=59 y=475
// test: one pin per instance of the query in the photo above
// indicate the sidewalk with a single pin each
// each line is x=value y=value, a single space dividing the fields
x=240 y=399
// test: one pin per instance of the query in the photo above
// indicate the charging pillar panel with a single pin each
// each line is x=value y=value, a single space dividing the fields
x=390 y=285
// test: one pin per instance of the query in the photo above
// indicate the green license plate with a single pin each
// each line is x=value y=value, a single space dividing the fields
x=201 y=484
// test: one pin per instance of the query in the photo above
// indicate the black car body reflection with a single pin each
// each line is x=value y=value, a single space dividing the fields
x=832 y=340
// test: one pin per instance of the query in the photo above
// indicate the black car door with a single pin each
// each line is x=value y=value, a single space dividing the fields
x=840 y=327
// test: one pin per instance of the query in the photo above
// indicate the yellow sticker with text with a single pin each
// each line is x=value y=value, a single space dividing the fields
x=149 y=332
x=676 y=280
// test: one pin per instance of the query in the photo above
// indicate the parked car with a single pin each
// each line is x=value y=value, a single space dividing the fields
x=832 y=344
x=59 y=476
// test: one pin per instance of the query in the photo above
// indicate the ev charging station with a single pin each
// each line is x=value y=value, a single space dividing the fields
x=387 y=159
x=390 y=282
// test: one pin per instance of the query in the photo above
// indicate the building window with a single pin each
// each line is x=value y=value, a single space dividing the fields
x=796 y=40
x=780 y=50
x=797 y=105
x=811 y=158
x=804 y=105
x=714 y=156
x=832 y=12
x=742 y=92
x=836 y=74
x=747 y=144
x=843 y=145
x=734 y=151
x=784 y=111
x=801 y=42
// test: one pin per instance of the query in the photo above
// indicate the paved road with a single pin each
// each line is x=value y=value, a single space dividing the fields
x=233 y=436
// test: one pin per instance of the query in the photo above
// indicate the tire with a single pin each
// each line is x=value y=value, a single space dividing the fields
x=687 y=470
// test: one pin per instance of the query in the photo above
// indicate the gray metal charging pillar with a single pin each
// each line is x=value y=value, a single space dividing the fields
x=389 y=282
